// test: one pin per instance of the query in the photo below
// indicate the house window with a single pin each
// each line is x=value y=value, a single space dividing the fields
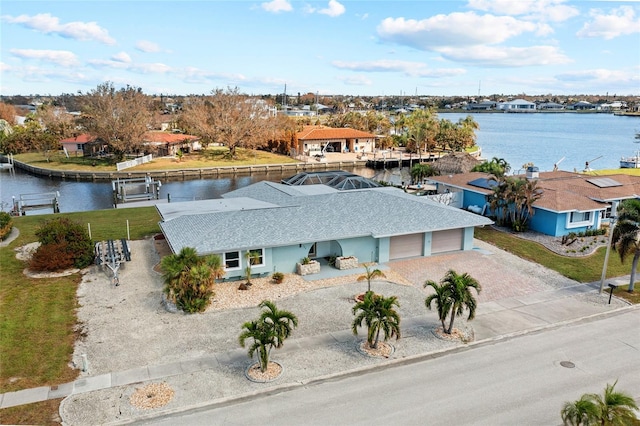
x=580 y=217
x=79 y=147
x=312 y=251
x=257 y=257
x=232 y=260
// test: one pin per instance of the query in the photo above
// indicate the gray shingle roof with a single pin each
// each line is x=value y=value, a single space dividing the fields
x=302 y=218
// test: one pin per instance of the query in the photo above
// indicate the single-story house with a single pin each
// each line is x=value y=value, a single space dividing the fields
x=570 y=202
x=168 y=144
x=282 y=224
x=517 y=105
x=83 y=144
x=313 y=140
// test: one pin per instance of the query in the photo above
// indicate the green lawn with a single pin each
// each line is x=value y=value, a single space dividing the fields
x=38 y=316
x=210 y=157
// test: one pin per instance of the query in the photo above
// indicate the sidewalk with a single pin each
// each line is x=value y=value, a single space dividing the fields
x=220 y=377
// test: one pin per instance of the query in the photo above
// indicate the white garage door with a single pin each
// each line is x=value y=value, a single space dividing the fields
x=403 y=246
x=443 y=241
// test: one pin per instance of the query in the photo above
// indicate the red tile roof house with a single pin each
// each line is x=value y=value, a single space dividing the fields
x=570 y=202
x=84 y=144
x=168 y=144
x=313 y=139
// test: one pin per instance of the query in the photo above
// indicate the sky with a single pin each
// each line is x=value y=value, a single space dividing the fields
x=335 y=47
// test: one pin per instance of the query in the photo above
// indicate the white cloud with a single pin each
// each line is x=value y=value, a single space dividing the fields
x=546 y=10
x=621 y=21
x=490 y=56
x=413 y=69
x=600 y=75
x=356 y=80
x=45 y=23
x=61 y=57
x=121 y=57
x=147 y=46
x=334 y=9
x=155 y=68
x=276 y=6
x=456 y=29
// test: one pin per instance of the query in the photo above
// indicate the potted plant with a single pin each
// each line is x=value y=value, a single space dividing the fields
x=307 y=266
x=277 y=277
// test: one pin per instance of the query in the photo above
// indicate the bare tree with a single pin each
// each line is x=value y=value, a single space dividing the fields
x=230 y=118
x=55 y=121
x=119 y=118
x=8 y=113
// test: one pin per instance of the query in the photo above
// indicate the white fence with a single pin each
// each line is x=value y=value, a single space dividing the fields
x=134 y=162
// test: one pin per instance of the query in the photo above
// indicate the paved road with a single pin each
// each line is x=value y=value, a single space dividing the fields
x=508 y=382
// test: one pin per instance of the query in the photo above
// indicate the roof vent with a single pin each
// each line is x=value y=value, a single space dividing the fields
x=532 y=172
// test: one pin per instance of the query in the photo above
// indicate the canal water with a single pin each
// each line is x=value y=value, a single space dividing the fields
x=540 y=138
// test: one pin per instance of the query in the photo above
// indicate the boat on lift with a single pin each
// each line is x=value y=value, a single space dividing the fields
x=631 y=162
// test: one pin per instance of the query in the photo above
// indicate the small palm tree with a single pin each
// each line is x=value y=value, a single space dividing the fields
x=459 y=291
x=282 y=322
x=371 y=274
x=252 y=258
x=611 y=408
x=264 y=338
x=441 y=299
x=378 y=314
x=268 y=332
x=580 y=412
x=626 y=235
x=616 y=408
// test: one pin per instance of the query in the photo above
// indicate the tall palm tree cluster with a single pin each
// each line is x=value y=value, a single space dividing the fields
x=611 y=408
x=189 y=278
x=452 y=296
x=512 y=201
x=496 y=166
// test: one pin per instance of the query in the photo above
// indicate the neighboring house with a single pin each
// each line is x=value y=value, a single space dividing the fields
x=582 y=106
x=84 y=145
x=485 y=104
x=168 y=144
x=517 y=105
x=550 y=106
x=282 y=224
x=314 y=139
x=570 y=202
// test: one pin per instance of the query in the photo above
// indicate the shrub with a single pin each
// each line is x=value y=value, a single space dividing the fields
x=278 y=277
x=305 y=261
x=70 y=236
x=6 y=223
x=52 y=257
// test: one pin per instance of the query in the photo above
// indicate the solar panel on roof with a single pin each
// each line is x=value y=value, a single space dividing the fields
x=483 y=183
x=604 y=182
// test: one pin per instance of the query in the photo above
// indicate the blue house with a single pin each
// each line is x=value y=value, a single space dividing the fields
x=281 y=224
x=570 y=202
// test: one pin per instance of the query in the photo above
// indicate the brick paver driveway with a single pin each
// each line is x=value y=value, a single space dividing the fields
x=501 y=275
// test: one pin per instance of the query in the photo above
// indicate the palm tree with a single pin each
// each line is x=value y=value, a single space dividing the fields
x=379 y=315
x=268 y=332
x=441 y=299
x=264 y=338
x=371 y=274
x=580 y=412
x=459 y=291
x=283 y=322
x=189 y=279
x=626 y=235
x=611 y=408
x=615 y=408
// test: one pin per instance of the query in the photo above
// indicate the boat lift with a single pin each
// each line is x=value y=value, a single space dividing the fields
x=135 y=189
x=26 y=202
x=112 y=253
